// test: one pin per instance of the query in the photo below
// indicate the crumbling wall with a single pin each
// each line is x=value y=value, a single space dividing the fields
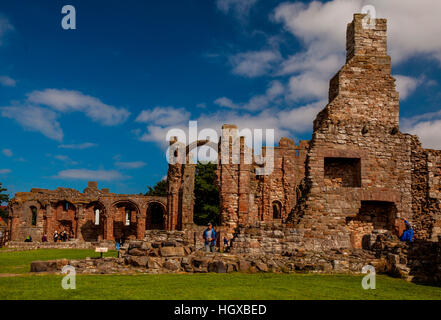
x=70 y=210
x=360 y=124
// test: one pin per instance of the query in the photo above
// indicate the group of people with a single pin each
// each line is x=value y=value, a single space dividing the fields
x=210 y=237
x=63 y=236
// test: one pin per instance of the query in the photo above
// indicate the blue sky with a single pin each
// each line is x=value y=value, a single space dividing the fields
x=95 y=103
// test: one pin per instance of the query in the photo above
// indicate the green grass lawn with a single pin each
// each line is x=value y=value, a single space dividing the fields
x=20 y=261
x=194 y=286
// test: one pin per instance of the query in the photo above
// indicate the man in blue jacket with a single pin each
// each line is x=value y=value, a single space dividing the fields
x=408 y=233
x=209 y=235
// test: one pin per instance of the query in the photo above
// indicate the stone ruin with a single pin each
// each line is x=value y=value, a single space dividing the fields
x=347 y=184
x=92 y=216
x=339 y=193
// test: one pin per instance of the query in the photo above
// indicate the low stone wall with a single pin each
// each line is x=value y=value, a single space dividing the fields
x=174 y=257
x=275 y=251
x=269 y=238
x=20 y=245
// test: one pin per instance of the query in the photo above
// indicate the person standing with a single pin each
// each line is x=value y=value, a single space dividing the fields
x=55 y=236
x=208 y=236
x=214 y=241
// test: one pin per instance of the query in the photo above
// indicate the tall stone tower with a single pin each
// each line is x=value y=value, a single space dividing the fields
x=358 y=168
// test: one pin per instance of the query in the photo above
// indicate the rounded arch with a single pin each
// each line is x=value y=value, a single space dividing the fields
x=97 y=205
x=156 y=215
x=200 y=143
x=276 y=209
x=125 y=202
x=125 y=219
x=93 y=229
x=33 y=215
x=65 y=217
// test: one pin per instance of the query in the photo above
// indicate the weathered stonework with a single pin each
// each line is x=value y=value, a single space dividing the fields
x=93 y=215
x=356 y=175
x=342 y=190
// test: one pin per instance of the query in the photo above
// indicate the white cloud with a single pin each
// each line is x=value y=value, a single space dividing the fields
x=7 y=81
x=413 y=30
x=35 y=119
x=7 y=152
x=300 y=119
x=158 y=134
x=130 y=165
x=429 y=133
x=65 y=159
x=163 y=116
x=284 y=122
x=239 y=7
x=426 y=126
x=254 y=63
x=79 y=146
x=226 y=102
x=5 y=26
x=85 y=174
x=406 y=85
x=270 y=98
x=5 y=171
x=69 y=101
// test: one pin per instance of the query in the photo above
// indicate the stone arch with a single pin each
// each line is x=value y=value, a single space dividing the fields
x=126 y=214
x=156 y=216
x=34 y=215
x=276 y=207
x=180 y=193
x=90 y=230
x=34 y=209
x=65 y=216
x=200 y=143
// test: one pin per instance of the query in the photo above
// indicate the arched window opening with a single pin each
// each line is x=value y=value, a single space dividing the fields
x=155 y=217
x=66 y=206
x=277 y=210
x=97 y=216
x=128 y=217
x=34 y=216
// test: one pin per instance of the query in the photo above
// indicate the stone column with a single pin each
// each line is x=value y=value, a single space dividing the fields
x=108 y=228
x=244 y=182
x=80 y=221
x=140 y=227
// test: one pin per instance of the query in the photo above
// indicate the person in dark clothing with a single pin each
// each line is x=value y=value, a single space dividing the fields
x=55 y=236
x=44 y=238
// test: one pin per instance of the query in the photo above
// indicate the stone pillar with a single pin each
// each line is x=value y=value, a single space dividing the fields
x=50 y=216
x=15 y=214
x=229 y=179
x=140 y=227
x=174 y=181
x=108 y=228
x=187 y=206
x=80 y=221
x=244 y=183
